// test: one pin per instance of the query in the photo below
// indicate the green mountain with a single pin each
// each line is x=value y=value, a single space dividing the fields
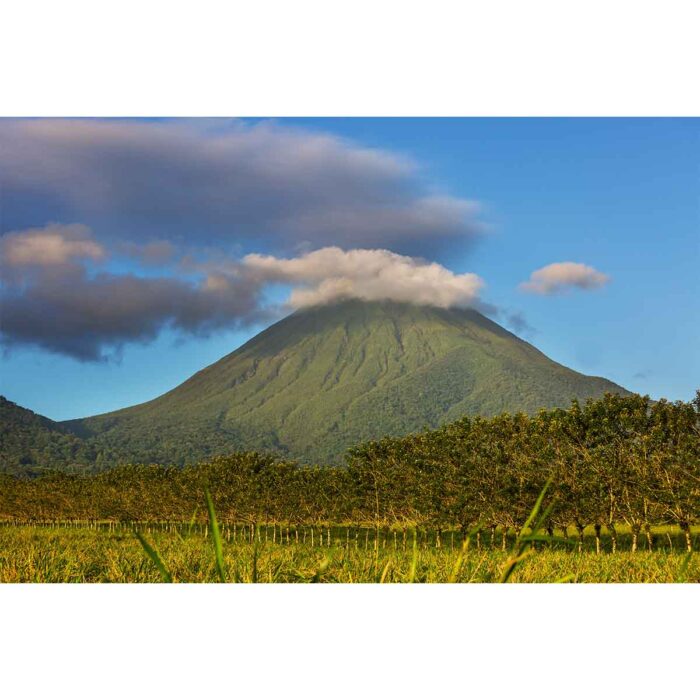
x=326 y=378
x=31 y=444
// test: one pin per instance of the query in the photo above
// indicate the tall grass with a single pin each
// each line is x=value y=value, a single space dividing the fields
x=31 y=554
x=153 y=555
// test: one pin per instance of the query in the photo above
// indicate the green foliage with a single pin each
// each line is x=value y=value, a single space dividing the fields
x=31 y=444
x=216 y=538
x=155 y=558
x=612 y=461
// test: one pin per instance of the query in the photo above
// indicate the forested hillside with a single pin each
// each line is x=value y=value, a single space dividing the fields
x=327 y=378
x=31 y=444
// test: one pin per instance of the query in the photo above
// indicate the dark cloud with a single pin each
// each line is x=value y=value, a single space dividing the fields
x=177 y=195
x=50 y=299
x=152 y=253
x=516 y=321
x=89 y=318
x=56 y=293
x=195 y=182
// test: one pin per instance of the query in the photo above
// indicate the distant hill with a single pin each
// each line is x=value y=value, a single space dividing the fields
x=329 y=377
x=31 y=444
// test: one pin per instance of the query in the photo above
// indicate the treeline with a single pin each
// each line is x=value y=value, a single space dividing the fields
x=611 y=461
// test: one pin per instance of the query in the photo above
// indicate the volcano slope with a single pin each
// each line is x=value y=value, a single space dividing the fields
x=328 y=377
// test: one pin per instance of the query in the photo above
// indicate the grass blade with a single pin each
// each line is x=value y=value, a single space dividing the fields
x=681 y=577
x=512 y=564
x=414 y=559
x=320 y=571
x=216 y=537
x=193 y=520
x=385 y=572
x=538 y=504
x=255 y=556
x=155 y=558
x=463 y=551
x=523 y=543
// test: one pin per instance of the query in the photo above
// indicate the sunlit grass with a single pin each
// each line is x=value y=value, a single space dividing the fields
x=44 y=554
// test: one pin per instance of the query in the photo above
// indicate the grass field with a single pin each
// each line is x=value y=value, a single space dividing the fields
x=82 y=554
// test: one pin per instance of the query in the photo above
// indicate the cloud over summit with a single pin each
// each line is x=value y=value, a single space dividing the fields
x=330 y=274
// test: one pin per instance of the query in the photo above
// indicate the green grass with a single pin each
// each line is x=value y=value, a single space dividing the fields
x=82 y=554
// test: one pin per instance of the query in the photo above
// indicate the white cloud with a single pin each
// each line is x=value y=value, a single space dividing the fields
x=331 y=274
x=54 y=244
x=560 y=277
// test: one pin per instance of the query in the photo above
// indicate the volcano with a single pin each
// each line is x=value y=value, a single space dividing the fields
x=328 y=377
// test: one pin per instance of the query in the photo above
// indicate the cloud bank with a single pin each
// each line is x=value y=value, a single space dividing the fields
x=562 y=276
x=59 y=294
x=199 y=219
x=52 y=299
x=262 y=187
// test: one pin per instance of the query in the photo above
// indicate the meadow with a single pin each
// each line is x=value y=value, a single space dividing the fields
x=109 y=553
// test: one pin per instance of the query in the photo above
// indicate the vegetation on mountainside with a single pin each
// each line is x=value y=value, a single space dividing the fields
x=31 y=444
x=327 y=378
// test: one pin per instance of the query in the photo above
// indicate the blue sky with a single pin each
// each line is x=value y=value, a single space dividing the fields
x=619 y=195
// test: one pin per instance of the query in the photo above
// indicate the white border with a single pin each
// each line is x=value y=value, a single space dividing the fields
x=353 y=641
x=368 y=57
x=542 y=57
